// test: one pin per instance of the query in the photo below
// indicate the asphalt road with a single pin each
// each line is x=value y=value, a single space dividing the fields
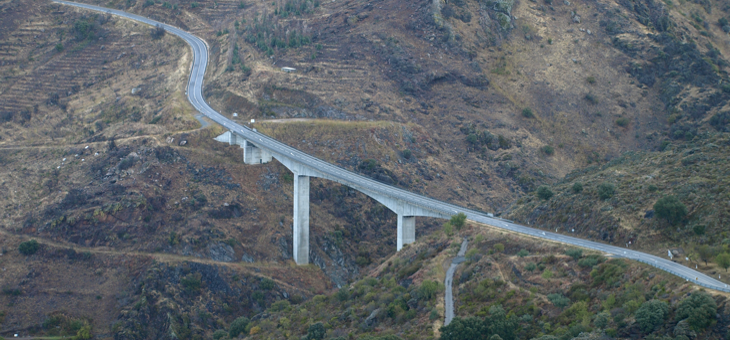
x=449 y=282
x=195 y=95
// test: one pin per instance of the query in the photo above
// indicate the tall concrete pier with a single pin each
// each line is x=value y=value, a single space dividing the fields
x=300 y=234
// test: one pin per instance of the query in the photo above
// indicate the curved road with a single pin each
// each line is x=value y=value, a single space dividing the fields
x=195 y=95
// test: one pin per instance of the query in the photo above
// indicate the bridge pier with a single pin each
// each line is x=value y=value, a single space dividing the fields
x=406 y=230
x=301 y=219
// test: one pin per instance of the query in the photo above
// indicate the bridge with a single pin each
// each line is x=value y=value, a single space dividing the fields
x=407 y=205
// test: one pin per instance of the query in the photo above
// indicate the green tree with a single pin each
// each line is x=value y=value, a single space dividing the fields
x=470 y=328
x=219 y=334
x=530 y=266
x=458 y=220
x=28 y=247
x=316 y=331
x=429 y=289
x=651 y=315
x=448 y=229
x=558 y=300
x=544 y=192
x=723 y=260
x=601 y=320
x=238 y=326
x=699 y=309
x=498 y=248
x=671 y=209
x=705 y=253
x=84 y=333
x=606 y=190
x=499 y=323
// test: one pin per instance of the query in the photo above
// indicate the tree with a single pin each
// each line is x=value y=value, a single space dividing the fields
x=429 y=289
x=705 y=253
x=458 y=220
x=699 y=309
x=606 y=190
x=497 y=322
x=219 y=334
x=558 y=300
x=723 y=260
x=601 y=320
x=544 y=192
x=238 y=326
x=158 y=32
x=651 y=315
x=28 y=247
x=671 y=209
x=316 y=331
x=448 y=229
x=84 y=332
x=464 y=329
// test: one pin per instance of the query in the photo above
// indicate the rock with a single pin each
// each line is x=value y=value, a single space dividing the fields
x=221 y=252
x=589 y=32
x=372 y=319
x=247 y=258
x=649 y=214
x=136 y=90
x=183 y=142
x=576 y=19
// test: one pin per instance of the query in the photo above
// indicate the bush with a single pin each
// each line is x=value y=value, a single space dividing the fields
x=267 y=284
x=316 y=331
x=606 y=190
x=158 y=32
x=238 y=326
x=723 y=260
x=591 y=80
x=548 y=150
x=591 y=98
x=622 y=122
x=28 y=247
x=448 y=229
x=608 y=273
x=575 y=253
x=498 y=248
x=530 y=266
x=429 y=289
x=523 y=253
x=217 y=335
x=577 y=187
x=699 y=230
x=558 y=300
x=59 y=47
x=699 y=309
x=192 y=282
x=651 y=315
x=652 y=188
x=601 y=320
x=407 y=154
x=547 y=274
x=544 y=192
x=527 y=112
x=670 y=208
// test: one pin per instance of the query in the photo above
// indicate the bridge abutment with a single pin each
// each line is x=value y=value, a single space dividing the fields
x=301 y=219
x=253 y=154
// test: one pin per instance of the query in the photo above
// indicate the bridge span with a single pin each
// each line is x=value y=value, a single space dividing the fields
x=406 y=204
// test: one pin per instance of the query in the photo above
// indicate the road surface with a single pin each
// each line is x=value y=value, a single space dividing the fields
x=351 y=179
x=448 y=283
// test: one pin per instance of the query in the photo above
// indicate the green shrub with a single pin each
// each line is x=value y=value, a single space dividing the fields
x=194 y=5
x=28 y=247
x=622 y=122
x=548 y=150
x=723 y=260
x=238 y=326
x=530 y=266
x=267 y=284
x=699 y=309
x=429 y=289
x=523 y=253
x=699 y=230
x=219 y=334
x=577 y=187
x=558 y=300
x=591 y=80
x=651 y=315
x=606 y=190
x=527 y=112
x=547 y=274
x=607 y=273
x=575 y=253
x=448 y=229
x=192 y=282
x=652 y=188
x=601 y=320
x=544 y=192
x=591 y=98
x=671 y=209
x=407 y=154
x=59 y=47
x=458 y=220
x=498 y=248
x=316 y=331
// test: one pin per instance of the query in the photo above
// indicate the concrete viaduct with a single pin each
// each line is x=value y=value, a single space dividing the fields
x=407 y=212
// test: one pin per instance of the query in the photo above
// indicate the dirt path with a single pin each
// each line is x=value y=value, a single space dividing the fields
x=449 y=309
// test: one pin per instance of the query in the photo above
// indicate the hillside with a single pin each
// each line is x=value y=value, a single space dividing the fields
x=150 y=229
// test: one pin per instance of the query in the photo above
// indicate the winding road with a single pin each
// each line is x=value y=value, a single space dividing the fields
x=449 y=282
x=195 y=96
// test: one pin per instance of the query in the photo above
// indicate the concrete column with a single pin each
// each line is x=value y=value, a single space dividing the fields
x=406 y=230
x=301 y=219
x=254 y=155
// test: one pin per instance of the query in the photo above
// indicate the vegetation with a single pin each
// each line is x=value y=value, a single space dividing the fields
x=527 y=112
x=606 y=190
x=544 y=192
x=670 y=209
x=699 y=309
x=497 y=322
x=28 y=247
x=577 y=187
x=458 y=220
x=651 y=315
x=238 y=326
